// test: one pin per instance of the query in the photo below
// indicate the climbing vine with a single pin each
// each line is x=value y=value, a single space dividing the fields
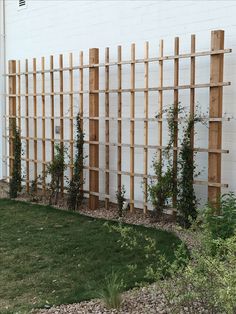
x=75 y=193
x=168 y=183
x=163 y=187
x=120 y=197
x=56 y=170
x=187 y=202
x=15 y=181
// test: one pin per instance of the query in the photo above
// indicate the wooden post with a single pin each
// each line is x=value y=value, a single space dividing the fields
x=93 y=128
x=43 y=124
x=160 y=101
x=27 y=124
x=146 y=102
x=215 y=111
x=61 y=80
x=81 y=102
x=176 y=105
x=132 y=125
x=52 y=105
x=107 y=126
x=192 y=95
x=19 y=95
x=35 y=122
x=192 y=82
x=71 y=78
x=119 y=115
x=12 y=109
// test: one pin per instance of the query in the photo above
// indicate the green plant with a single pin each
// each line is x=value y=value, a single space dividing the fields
x=56 y=170
x=176 y=180
x=161 y=190
x=15 y=181
x=206 y=282
x=75 y=193
x=187 y=202
x=165 y=185
x=206 y=285
x=33 y=189
x=120 y=197
x=220 y=223
x=111 y=293
x=134 y=240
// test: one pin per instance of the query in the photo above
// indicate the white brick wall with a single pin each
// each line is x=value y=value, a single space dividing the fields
x=52 y=27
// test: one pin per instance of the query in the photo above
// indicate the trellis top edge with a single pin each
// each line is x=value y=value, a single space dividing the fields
x=115 y=63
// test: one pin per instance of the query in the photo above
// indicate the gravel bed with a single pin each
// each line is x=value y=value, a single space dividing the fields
x=145 y=300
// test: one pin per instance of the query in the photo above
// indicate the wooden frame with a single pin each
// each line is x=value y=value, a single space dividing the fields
x=215 y=111
x=107 y=175
x=93 y=128
x=17 y=96
x=11 y=110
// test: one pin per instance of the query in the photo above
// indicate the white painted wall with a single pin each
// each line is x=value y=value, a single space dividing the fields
x=53 y=27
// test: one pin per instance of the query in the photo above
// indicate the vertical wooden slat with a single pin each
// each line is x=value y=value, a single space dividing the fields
x=27 y=123
x=192 y=80
x=146 y=79
x=71 y=78
x=61 y=112
x=19 y=95
x=215 y=111
x=93 y=128
x=119 y=115
x=192 y=90
x=132 y=125
x=107 y=128
x=43 y=124
x=81 y=87
x=81 y=100
x=12 y=109
x=35 y=121
x=160 y=100
x=52 y=104
x=176 y=103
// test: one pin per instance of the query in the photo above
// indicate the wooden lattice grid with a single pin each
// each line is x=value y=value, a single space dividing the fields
x=17 y=99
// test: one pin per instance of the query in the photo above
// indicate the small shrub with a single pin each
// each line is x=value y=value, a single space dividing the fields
x=56 y=170
x=15 y=181
x=220 y=223
x=33 y=189
x=160 y=190
x=111 y=293
x=120 y=197
x=206 y=285
x=75 y=194
x=207 y=282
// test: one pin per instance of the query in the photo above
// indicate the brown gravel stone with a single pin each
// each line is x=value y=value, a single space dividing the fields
x=145 y=300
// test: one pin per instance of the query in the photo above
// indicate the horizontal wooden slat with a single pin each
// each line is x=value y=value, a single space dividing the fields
x=125 y=90
x=196 y=149
x=116 y=118
x=127 y=173
x=170 y=57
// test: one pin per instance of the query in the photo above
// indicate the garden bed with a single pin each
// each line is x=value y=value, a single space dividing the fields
x=51 y=257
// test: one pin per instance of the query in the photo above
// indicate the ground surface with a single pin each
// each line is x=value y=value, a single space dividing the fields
x=49 y=256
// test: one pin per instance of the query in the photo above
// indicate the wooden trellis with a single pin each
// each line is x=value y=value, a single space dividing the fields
x=19 y=98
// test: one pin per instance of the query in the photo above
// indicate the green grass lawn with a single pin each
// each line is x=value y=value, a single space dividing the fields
x=49 y=256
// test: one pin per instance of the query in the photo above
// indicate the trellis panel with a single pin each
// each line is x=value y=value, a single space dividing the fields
x=84 y=96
